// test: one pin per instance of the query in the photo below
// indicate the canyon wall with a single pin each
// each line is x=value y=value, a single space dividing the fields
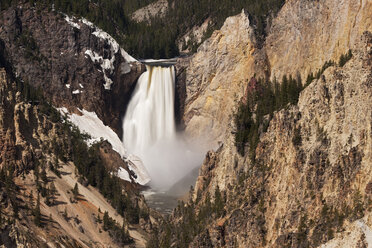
x=302 y=37
x=36 y=160
x=311 y=177
x=311 y=174
x=76 y=64
x=216 y=77
x=305 y=34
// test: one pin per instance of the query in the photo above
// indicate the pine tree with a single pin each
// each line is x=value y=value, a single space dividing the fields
x=284 y=91
x=277 y=94
x=75 y=191
x=43 y=175
x=191 y=194
x=48 y=196
x=106 y=221
x=309 y=78
x=218 y=202
x=65 y=215
x=36 y=173
x=37 y=213
x=53 y=191
x=31 y=200
x=342 y=61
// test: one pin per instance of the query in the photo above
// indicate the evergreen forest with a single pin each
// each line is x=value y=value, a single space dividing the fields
x=158 y=38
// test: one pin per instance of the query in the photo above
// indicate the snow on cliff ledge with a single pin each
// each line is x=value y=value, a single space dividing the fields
x=88 y=122
x=107 y=65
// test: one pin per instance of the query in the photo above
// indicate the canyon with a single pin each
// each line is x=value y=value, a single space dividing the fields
x=308 y=181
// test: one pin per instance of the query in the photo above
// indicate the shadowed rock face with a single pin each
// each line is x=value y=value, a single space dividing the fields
x=48 y=52
x=180 y=96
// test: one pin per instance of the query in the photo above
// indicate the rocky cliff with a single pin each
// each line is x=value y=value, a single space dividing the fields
x=153 y=10
x=76 y=64
x=305 y=34
x=44 y=198
x=216 y=76
x=308 y=183
x=312 y=170
x=302 y=37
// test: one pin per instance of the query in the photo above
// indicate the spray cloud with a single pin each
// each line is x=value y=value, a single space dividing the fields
x=150 y=132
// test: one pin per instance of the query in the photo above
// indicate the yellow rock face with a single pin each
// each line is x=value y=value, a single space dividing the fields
x=305 y=34
x=216 y=78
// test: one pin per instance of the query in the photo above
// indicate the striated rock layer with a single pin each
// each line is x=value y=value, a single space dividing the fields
x=311 y=177
x=302 y=37
x=299 y=193
x=307 y=33
x=216 y=76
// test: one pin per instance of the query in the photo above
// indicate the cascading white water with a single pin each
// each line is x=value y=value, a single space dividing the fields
x=150 y=113
x=150 y=132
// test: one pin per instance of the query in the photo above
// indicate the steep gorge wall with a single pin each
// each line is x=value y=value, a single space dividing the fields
x=305 y=34
x=216 y=76
x=302 y=37
x=300 y=192
x=71 y=60
x=294 y=194
x=33 y=141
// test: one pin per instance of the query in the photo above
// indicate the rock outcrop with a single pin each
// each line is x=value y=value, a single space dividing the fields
x=302 y=37
x=311 y=174
x=216 y=77
x=76 y=64
x=193 y=36
x=35 y=167
x=312 y=167
x=306 y=34
x=157 y=9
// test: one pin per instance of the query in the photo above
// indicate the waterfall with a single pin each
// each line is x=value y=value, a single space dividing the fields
x=150 y=114
x=150 y=132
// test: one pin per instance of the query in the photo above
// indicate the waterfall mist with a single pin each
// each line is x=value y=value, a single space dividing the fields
x=150 y=131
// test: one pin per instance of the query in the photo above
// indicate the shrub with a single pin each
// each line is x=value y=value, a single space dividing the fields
x=345 y=58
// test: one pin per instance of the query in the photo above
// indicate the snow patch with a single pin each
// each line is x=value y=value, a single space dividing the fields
x=367 y=232
x=89 y=123
x=68 y=86
x=108 y=83
x=105 y=36
x=126 y=56
x=123 y=174
x=107 y=65
x=81 y=86
x=71 y=22
x=86 y=22
x=75 y=92
x=93 y=56
x=113 y=43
